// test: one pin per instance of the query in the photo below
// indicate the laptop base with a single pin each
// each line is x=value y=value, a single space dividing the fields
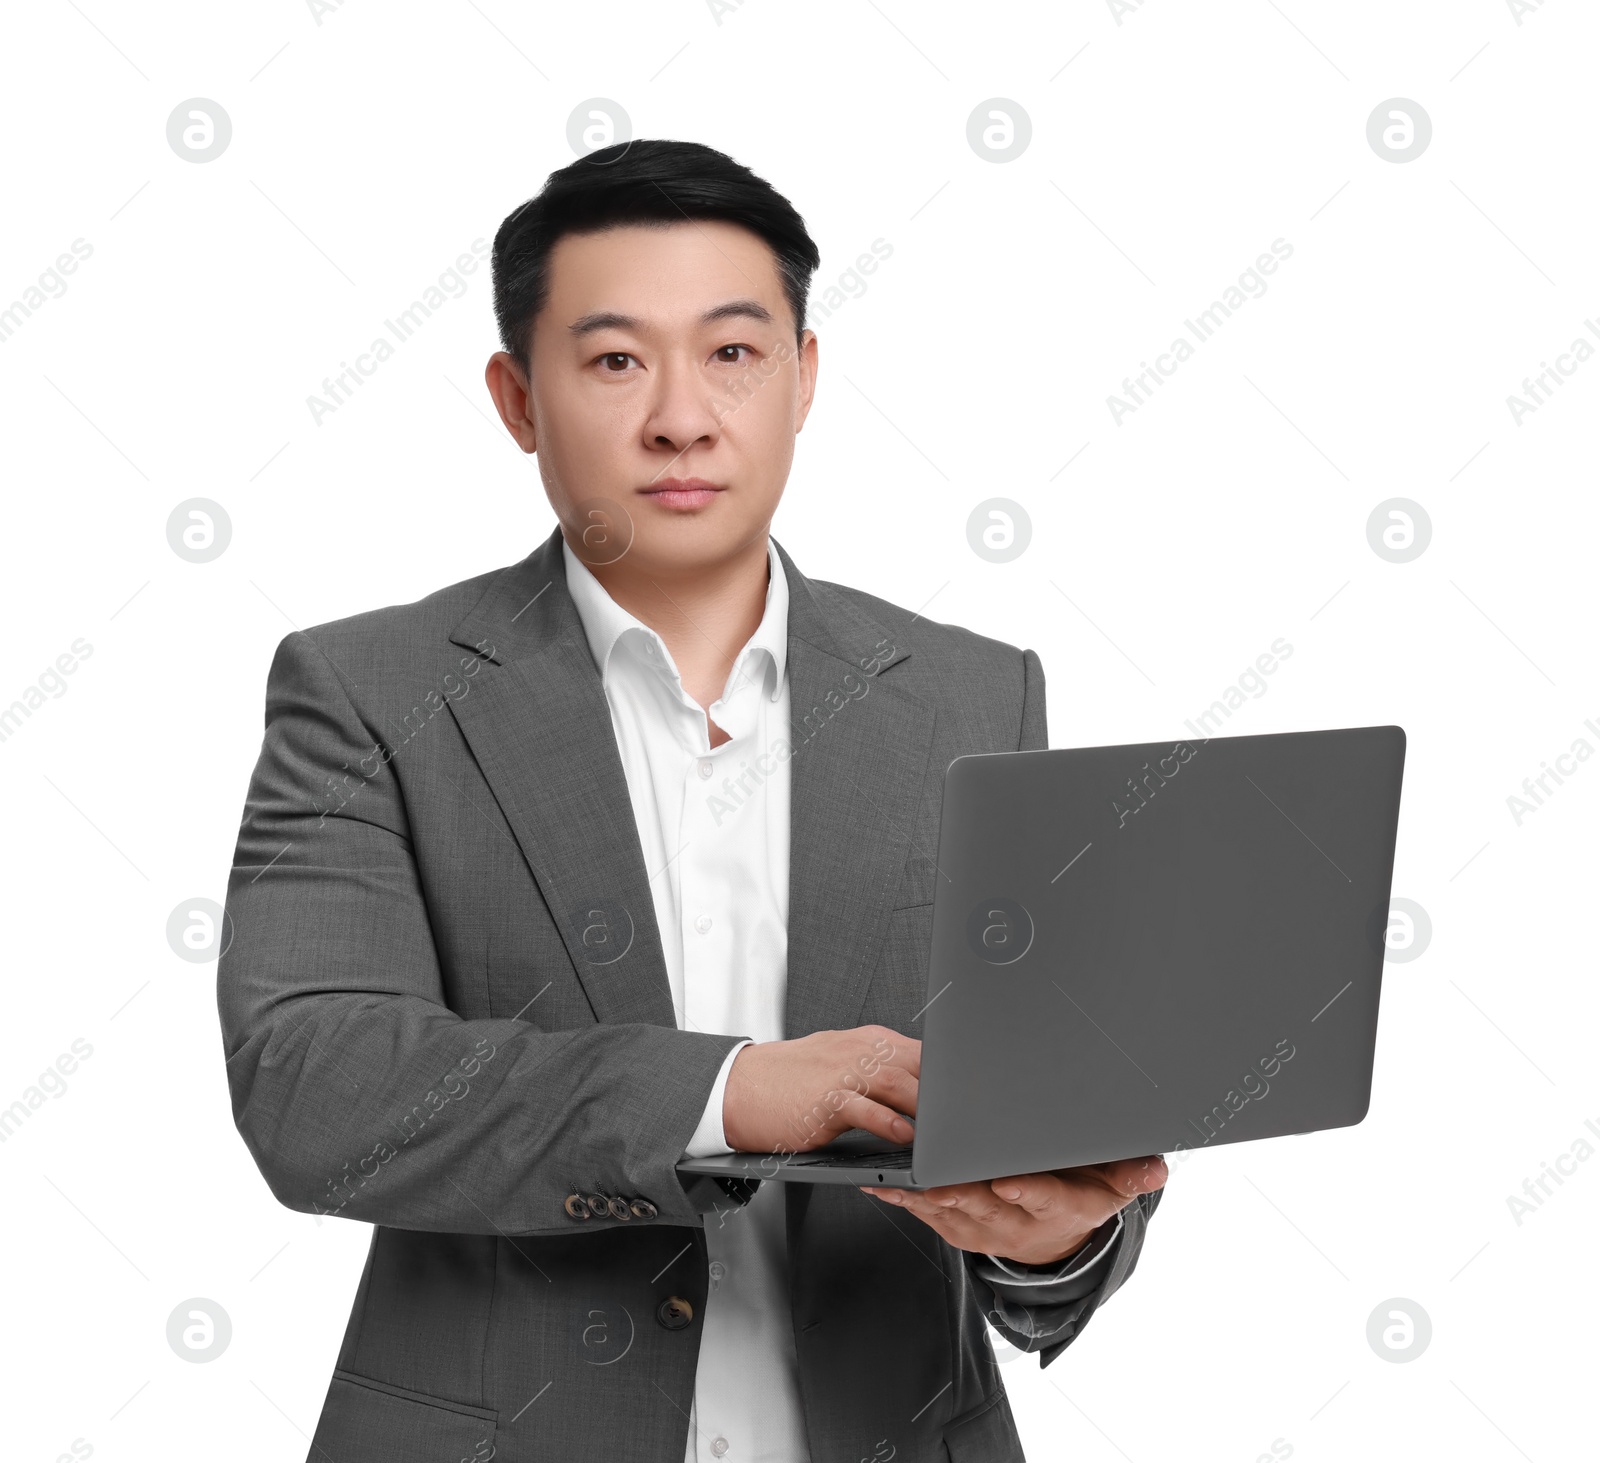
x=859 y=1160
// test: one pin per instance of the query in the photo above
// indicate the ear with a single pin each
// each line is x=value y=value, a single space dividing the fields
x=808 y=378
x=508 y=386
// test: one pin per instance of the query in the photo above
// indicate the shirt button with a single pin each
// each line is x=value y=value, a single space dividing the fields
x=705 y=767
x=719 y=1446
x=718 y=1270
x=703 y=924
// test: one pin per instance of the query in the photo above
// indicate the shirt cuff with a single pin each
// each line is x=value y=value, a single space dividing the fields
x=709 y=1137
x=1070 y=1268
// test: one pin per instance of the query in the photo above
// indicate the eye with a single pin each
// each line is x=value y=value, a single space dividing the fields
x=615 y=362
x=721 y=356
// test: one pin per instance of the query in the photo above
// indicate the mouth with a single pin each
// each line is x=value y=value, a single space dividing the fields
x=681 y=493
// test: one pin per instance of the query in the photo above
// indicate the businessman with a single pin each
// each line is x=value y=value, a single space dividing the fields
x=622 y=854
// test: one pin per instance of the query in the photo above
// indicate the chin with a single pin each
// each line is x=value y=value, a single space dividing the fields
x=688 y=540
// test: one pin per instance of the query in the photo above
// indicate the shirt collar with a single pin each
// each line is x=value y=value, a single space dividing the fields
x=605 y=622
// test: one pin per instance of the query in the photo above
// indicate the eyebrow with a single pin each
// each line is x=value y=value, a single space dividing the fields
x=613 y=320
x=737 y=309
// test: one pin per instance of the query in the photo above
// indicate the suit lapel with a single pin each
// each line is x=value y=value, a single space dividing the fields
x=538 y=724
x=861 y=750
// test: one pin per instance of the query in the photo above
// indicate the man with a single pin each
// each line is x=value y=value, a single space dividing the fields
x=621 y=854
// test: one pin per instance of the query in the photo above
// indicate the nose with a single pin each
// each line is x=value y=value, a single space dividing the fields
x=683 y=409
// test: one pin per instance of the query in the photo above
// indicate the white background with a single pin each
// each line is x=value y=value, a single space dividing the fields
x=1167 y=152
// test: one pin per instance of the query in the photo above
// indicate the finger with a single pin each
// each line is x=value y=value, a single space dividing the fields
x=887 y=1047
x=951 y=1196
x=900 y=1198
x=1061 y=1202
x=894 y=1087
x=860 y=1111
x=1125 y=1177
x=955 y=1226
x=1051 y=1197
x=975 y=1202
x=917 y=1202
x=1131 y=1176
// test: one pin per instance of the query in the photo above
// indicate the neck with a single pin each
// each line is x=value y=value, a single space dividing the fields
x=705 y=614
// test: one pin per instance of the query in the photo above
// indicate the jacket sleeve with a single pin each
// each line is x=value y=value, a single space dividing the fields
x=357 y=1090
x=1041 y=1308
x=1048 y=1317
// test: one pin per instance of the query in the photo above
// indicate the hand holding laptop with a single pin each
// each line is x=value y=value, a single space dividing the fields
x=794 y=1096
x=1034 y=1218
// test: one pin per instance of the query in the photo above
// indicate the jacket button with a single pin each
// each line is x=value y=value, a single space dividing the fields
x=598 y=1204
x=674 y=1313
x=575 y=1206
x=643 y=1209
x=618 y=1208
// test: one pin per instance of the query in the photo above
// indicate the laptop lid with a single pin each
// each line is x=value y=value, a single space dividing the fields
x=1139 y=949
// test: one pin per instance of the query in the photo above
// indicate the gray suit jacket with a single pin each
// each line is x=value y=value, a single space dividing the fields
x=445 y=1013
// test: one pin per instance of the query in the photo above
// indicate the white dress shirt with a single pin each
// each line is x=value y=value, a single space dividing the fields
x=714 y=829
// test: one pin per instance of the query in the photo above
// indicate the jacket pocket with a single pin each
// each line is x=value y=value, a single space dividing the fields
x=366 y=1421
x=986 y=1434
x=916 y=883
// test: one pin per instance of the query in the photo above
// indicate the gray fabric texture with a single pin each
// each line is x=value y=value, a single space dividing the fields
x=445 y=1012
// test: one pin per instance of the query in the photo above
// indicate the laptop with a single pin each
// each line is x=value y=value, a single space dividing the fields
x=1141 y=949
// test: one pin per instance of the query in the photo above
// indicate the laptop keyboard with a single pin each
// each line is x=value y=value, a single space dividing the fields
x=888 y=1158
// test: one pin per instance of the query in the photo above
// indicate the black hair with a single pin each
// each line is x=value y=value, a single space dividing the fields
x=652 y=182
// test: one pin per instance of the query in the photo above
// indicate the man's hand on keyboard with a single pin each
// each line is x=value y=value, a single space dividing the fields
x=793 y=1096
x=1034 y=1218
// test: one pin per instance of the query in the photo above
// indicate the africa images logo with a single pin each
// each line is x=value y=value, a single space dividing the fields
x=999 y=931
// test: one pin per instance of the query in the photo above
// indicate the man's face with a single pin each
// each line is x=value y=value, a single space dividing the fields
x=666 y=382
